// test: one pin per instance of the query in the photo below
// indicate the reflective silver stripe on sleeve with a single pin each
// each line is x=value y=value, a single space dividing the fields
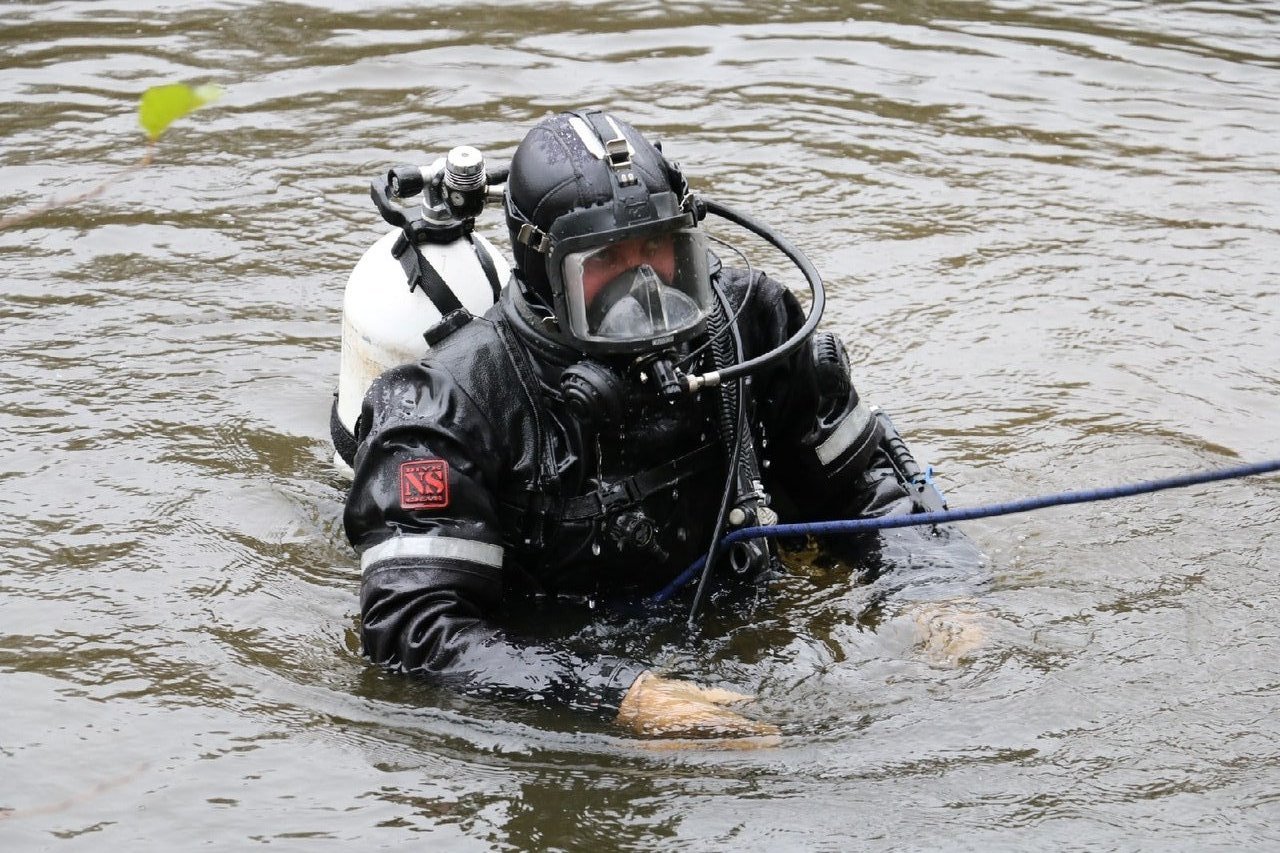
x=432 y=546
x=848 y=431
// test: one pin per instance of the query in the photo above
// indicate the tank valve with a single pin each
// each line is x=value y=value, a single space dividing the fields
x=465 y=184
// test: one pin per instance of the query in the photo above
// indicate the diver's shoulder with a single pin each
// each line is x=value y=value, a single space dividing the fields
x=476 y=339
x=469 y=358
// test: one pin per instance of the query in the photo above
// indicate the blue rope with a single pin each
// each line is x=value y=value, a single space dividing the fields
x=859 y=525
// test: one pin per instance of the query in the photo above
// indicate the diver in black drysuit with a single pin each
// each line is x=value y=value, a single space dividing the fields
x=481 y=475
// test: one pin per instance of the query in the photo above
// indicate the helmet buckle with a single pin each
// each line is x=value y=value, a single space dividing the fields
x=619 y=157
x=535 y=238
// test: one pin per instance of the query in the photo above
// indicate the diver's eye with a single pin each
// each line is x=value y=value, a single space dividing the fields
x=606 y=257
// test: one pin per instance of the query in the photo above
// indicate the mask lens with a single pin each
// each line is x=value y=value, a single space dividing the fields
x=637 y=288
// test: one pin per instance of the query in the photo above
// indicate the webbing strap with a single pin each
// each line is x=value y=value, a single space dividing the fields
x=629 y=491
x=486 y=264
x=421 y=274
x=343 y=441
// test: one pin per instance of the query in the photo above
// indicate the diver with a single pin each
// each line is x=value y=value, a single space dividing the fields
x=625 y=400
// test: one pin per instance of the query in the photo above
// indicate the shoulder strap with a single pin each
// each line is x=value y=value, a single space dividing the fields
x=343 y=441
x=486 y=264
x=421 y=274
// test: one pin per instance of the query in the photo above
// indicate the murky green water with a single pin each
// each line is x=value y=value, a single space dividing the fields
x=1051 y=238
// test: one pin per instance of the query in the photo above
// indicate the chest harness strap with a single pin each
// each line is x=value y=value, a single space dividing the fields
x=529 y=511
x=634 y=489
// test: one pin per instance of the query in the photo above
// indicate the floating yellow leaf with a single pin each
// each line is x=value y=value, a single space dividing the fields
x=161 y=106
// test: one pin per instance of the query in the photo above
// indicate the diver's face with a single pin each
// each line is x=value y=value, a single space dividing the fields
x=658 y=251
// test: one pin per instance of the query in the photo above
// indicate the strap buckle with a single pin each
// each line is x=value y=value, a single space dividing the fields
x=618 y=495
x=619 y=157
x=534 y=237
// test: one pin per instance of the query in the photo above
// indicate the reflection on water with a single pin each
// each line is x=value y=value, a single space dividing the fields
x=1048 y=232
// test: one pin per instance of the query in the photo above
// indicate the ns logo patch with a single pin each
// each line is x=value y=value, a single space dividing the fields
x=424 y=484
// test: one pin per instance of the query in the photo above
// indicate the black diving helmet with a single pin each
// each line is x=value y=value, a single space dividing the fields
x=608 y=244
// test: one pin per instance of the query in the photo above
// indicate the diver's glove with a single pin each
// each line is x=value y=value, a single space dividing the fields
x=665 y=707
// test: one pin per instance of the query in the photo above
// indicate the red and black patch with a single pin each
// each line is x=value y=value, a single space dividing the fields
x=424 y=484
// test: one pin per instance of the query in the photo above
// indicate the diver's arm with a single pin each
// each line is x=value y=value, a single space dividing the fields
x=429 y=618
x=824 y=452
x=421 y=515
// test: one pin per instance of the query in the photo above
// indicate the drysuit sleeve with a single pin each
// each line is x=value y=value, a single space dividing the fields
x=421 y=514
x=823 y=442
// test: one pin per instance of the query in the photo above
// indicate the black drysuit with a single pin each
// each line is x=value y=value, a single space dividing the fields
x=473 y=481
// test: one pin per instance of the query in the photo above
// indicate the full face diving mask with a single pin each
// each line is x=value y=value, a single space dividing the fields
x=630 y=292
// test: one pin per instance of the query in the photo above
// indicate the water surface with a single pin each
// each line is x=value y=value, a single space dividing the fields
x=1049 y=231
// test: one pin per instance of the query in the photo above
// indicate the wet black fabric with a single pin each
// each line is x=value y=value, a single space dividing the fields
x=486 y=402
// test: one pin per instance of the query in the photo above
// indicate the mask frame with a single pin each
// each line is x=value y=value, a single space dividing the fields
x=601 y=225
x=664 y=294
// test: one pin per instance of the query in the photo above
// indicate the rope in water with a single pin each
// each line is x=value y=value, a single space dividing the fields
x=861 y=525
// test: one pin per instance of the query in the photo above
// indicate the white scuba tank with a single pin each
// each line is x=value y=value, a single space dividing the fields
x=383 y=320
